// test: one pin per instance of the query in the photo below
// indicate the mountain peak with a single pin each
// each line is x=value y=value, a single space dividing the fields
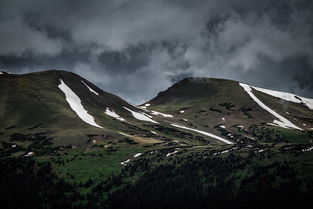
x=2 y=72
x=201 y=80
x=52 y=72
x=192 y=88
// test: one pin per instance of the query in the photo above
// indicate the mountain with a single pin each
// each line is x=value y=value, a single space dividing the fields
x=202 y=143
x=216 y=104
x=214 y=99
x=70 y=109
x=63 y=106
x=36 y=101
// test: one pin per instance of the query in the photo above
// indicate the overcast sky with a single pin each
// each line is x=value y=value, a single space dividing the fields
x=136 y=48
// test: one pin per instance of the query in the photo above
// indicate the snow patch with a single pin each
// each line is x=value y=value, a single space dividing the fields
x=287 y=96
x=223 y=119
x=124 y=163
x=225 y=151
x=153 y=132
x=141 y=116
x=90 y=89
x=137 y=155
x=308 y=149
x=283 y=122
x=162 y=114
x=1 y=73
x=172 y=153
x=182 y=111
x=76 y=105
x=147 y=105
x=230 y=135
x=113 y=114
x=29 y=154
x=185 y=120
x=273 y=124
x=221 y=126
x=204 y=133
x=249 y=137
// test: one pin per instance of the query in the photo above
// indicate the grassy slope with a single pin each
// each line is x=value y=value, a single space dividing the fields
x=221 y=181
x=33 y=103
x=208 y=103
x=91 y=168
x=208 y=94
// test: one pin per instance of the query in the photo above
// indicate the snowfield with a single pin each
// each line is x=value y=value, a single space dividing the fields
x=204 y=133
x=90 y=89
x=76 y=105
x=287 y=96
x=141 y=116
x=282 y=122
x=113 y=114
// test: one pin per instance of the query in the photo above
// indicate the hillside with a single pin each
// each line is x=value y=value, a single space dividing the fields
x=219 y=97
x=64 y=107
x=202 y=143
x=230 y=107
x=68 y=110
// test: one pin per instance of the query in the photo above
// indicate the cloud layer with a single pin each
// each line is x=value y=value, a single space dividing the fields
x=137 y=48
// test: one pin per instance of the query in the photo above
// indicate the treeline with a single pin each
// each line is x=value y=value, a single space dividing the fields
x=217 y=183
x=27 y=184
x=192 y=181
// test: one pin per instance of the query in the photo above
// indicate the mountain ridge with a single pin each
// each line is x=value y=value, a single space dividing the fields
x=194 y=102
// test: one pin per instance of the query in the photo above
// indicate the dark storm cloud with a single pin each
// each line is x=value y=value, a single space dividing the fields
x=137 y=48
